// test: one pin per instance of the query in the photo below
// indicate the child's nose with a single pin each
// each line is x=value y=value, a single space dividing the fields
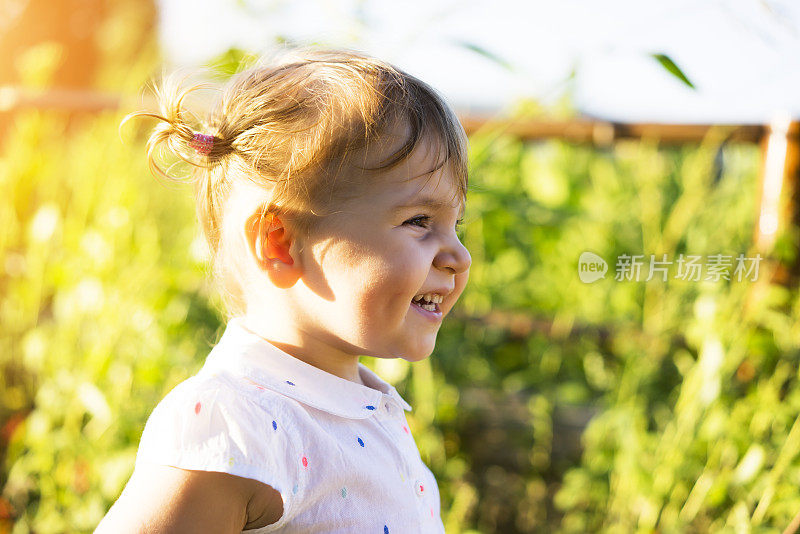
x=453 y=257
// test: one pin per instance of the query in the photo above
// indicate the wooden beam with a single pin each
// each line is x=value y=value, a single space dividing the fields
x=604 y=132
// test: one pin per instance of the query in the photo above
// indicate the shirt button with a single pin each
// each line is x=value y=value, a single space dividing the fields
x=419 y=488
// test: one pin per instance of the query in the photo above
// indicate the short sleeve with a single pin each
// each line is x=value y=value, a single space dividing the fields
x=209 y=426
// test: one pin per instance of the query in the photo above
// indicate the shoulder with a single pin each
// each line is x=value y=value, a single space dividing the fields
x=236 y=399
x=214 y=423
x=206 y=413
x=228 y=395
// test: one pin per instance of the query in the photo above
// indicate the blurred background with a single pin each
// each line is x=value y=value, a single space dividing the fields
x=627 y=404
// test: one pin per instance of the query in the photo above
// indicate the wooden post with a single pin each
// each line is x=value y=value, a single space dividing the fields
x=778 y=205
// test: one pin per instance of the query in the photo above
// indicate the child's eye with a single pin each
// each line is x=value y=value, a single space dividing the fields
x=421 y=221
x=424 y=220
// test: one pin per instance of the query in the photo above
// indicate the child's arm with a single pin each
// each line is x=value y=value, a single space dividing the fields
x=165 y=499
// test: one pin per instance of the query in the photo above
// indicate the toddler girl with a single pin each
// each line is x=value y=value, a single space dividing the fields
x=330 y=186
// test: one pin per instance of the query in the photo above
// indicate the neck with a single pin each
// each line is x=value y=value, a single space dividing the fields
x=305 y=347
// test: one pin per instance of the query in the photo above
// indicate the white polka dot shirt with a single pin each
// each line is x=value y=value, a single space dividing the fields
x=340 y=454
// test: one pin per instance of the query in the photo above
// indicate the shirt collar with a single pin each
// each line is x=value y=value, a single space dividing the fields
x=244 y=352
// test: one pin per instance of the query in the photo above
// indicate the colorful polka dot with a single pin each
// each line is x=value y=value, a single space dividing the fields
x=421 y=488
x=253 y=383
x=344 y=493
x=197 y=408
x=230 y=460
x=369 y=407
x=305 y=461
x=360 y=442
x=405 y=429
x=431 y=512
x=290 y=383
x=274 y=425
x=294 y=489
x=385 y=529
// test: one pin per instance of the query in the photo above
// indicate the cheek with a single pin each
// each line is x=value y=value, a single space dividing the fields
x=389 y=286
x=392 y=279
x=372 y=275
x=375 y=279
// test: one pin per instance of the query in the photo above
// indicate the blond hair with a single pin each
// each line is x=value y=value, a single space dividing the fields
x=292 y=125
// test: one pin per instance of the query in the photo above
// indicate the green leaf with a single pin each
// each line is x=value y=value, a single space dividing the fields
x=488 y=54
x=673 y=69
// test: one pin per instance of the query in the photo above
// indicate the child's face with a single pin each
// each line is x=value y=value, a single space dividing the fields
x=370 y=259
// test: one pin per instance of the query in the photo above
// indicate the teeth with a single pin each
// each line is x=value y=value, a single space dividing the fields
x=430 y=297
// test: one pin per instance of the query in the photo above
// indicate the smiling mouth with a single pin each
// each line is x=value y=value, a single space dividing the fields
x=428 y=302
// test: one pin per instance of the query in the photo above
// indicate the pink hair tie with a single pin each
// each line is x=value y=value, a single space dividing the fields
x=202 y=143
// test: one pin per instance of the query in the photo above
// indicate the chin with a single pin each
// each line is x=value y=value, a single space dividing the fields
x=418 y=355
x=415 y=357
x=418 y=351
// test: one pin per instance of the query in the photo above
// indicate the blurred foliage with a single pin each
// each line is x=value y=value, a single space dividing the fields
x=689 y=388
x=549 y=405
x=103 y=311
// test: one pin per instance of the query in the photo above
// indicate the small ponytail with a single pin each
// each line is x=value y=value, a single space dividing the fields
x=196 y=146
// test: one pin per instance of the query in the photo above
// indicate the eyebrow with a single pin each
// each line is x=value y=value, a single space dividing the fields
x=429 y=202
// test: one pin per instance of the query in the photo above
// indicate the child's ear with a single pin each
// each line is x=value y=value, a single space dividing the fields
x=269 y=242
